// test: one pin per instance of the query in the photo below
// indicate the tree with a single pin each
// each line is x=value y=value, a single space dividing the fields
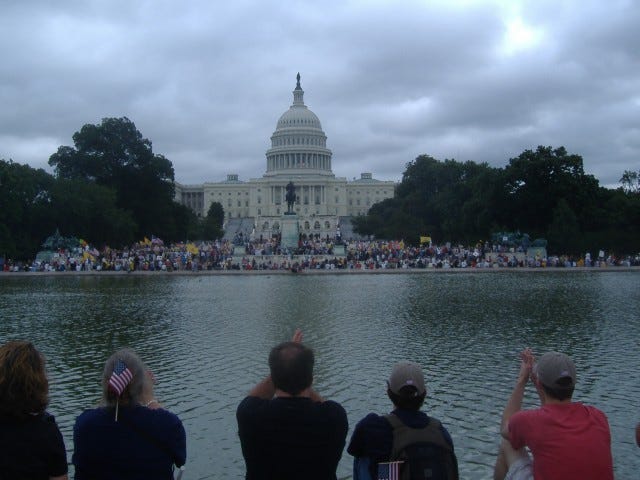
x=115 y=155
x=630 y=182
x=89 y=211
x=534 y=183
x=444 y=199
x=212 y=225
x=564 y=231
x=25 y=196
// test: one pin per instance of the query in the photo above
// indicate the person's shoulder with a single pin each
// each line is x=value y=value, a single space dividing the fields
x=594 y=412
x=90 y=414
x=161 y=415
x=443 y=430
x=373 y=421
x=332 y=408
x=251 y=401
x=251 y=405
x=330 y=405
x=529 y=413
x=593 y=409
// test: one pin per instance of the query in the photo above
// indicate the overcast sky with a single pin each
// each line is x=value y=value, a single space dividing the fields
x=206 y=81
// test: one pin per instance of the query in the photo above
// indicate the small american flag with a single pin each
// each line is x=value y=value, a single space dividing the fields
x=120 y=378
x=389 y=471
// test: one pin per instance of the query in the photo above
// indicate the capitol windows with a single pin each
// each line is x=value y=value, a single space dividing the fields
x=265 y=226
x=316 y=226
x=259 y=199
x=327 y=225
x=306 y=225
x=229 y=203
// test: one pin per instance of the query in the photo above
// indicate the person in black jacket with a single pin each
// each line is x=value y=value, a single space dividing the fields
x=31 y=446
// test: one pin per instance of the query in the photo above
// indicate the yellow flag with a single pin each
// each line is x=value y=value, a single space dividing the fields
x=425 y=239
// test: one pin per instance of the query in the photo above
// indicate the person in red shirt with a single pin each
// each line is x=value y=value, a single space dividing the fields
x=564 y=439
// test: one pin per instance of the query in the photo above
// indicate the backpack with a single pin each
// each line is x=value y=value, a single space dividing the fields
x=425 y=453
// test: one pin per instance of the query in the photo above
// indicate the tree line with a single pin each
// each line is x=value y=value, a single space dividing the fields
x=108 y=189
x=111 y=189
x=544 y=193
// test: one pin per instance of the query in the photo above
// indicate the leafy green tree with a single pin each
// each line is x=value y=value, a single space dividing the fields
x=534 y=183
x=445 y=199
x=630 y=182
x=89 y=211
x=115 y=155
x=212 y=223
x=564 y=231
x=25 y=196
x=388 y=220
x=187 y=224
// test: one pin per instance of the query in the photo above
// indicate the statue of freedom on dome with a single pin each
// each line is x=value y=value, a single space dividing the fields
x=290 y=197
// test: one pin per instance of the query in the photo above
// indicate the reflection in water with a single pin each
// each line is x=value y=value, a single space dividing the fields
x=207 y=339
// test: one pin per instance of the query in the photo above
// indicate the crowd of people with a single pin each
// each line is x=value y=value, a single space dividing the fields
x=311 y=254
x=287 y=430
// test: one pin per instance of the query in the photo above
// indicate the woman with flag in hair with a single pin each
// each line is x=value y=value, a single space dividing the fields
x=129 y=436
x=31 y=446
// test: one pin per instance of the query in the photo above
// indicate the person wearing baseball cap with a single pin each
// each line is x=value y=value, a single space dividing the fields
x=386 y=441
x=566 y=439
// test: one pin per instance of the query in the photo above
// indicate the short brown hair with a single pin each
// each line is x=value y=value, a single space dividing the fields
x=291 y=366
x=23 y=380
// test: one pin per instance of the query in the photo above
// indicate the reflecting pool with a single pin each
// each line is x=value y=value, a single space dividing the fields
x=207 y=339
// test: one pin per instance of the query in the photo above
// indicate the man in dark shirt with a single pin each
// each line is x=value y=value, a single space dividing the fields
x=287 y=431
x=377 y=438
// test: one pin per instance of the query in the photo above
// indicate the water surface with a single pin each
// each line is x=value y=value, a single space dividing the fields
x=207 y=339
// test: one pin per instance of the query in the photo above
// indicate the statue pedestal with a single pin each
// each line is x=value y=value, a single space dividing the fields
x=289 y=230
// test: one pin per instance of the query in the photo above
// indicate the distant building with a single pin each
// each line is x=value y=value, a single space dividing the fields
x=298 y=154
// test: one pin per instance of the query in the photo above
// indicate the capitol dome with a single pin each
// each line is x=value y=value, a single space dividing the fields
x=298 y=145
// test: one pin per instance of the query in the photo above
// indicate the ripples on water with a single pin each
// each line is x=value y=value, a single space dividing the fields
x=207 y=339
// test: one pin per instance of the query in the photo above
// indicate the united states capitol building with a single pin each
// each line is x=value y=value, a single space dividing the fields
x=298 y=154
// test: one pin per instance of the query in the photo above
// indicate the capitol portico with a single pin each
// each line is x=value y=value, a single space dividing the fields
x=298 y=154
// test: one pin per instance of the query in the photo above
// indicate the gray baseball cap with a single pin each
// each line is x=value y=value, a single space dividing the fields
x=554 y=368
x=406 y=374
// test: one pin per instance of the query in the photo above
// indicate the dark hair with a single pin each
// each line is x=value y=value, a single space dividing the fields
x=562 y=391
x=23 y=380
x=408 y=398
x=291 y=366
